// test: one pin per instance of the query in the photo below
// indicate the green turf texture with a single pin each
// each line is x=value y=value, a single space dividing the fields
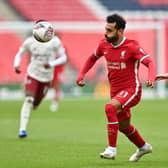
x=74 y=136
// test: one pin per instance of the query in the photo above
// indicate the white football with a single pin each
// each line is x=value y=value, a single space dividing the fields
x=43 y=31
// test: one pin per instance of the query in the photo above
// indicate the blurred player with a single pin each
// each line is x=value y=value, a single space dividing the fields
x=56 y=82
x=56 y=85
x=162 y=76
x=39 y=73
x=122 y=56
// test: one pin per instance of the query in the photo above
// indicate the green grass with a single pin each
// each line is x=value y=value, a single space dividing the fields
x=74 y=136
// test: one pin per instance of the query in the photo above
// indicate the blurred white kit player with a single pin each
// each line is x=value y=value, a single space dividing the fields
x=39 y=73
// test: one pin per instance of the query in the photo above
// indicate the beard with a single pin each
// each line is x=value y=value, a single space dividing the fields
x=112 y=39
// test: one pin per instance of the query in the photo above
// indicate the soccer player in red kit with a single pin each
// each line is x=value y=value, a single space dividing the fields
x=56 y=85
x=57 y=80
x=123 y=57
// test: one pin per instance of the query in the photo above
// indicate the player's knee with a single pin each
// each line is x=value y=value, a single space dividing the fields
x=29 y=100
x=36 y=103
x=111 y=112
x=128 y=131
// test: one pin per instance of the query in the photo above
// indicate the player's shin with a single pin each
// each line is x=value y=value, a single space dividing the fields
x=57 y=94
x=134 y=136
x=113 y=125
x=25 y=112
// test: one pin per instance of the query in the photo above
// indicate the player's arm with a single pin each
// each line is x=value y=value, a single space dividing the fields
x=148 y=62
x=145 y=59
x=58 y=61
x=161 y=76
x=60 y=51
x=91 y=60
x=88 y=64
x=18 y=57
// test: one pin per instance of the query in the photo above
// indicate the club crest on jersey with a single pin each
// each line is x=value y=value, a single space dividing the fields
x=122 y=56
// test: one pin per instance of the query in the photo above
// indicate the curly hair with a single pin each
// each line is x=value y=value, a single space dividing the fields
x=119 y=20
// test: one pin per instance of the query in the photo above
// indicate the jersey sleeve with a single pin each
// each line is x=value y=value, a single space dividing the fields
x=25 y=46
x=60 y=50
x=58 y=46
x=23 y=49
x=138 y=52
x=145 y=59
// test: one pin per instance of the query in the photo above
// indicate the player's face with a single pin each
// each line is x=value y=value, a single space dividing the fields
x=111 y=33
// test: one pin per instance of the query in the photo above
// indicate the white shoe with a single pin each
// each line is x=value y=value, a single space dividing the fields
x=147 y=148
x=109 y=153
x=54 y=107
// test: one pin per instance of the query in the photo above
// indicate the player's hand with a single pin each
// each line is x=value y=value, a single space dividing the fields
x=17 y=70
x=149 y=84
x=47 y=65
x=80 y=81
x=161 y=77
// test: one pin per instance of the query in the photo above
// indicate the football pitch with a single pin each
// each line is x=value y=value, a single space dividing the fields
x=74 y=136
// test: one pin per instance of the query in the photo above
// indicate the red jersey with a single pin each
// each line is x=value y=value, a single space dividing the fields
x=122 y=62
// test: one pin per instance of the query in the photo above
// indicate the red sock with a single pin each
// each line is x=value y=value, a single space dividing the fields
x=56 y=94
x=133 y=135
x=112 y=126
x=112 y=134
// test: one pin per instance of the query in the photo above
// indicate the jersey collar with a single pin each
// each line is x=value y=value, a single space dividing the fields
x=120 y=43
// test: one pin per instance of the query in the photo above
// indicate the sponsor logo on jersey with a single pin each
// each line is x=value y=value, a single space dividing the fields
x=117 y=65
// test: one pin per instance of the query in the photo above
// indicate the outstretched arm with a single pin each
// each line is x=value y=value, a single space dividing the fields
x=161 y=76
x=151 y=71
x=59 y=61
x=62 y=59
x=17 y=59
x=86 y=67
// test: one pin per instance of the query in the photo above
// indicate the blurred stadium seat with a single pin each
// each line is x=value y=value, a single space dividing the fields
x=135 y=4
x=58 y=10
x=8 y=50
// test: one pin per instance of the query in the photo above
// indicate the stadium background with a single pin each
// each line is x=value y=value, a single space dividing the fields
x=81 y=25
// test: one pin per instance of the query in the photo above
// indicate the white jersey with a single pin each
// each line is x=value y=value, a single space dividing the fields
x=41 y=53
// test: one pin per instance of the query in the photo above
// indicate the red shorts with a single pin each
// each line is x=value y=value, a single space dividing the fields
x=128 y=98
x=37 y=88
x=57 y=74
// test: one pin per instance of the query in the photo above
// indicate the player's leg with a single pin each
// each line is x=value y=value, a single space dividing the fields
x=56 y=85
x=132 y=98
x=55 y=103
x=24 y=116
x=134 y=136
x=111 y=110
x=41 y=93
x=30 y=89
x=131 y=132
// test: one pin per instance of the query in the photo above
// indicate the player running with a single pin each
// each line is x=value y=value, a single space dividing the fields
x=39 y=73
x=56 y=85
x=123 y=57
x=57 y=81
